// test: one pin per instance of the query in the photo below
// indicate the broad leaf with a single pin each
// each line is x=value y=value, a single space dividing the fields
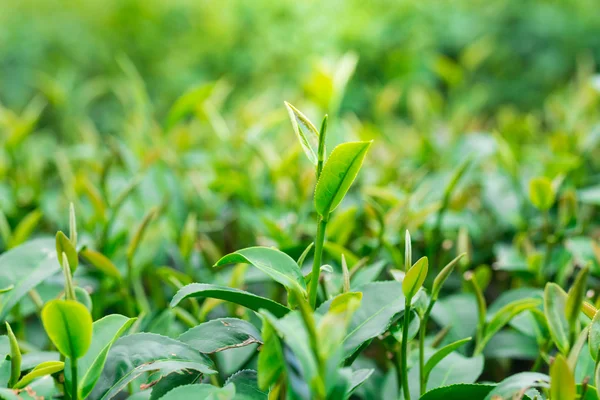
x=518 y=383
x=339 y=172
x=105 y=332
x=133 y=355
x=440 y=354
x=25 y=267
x=69 y=326
x=381 y=301
x=221 y=334
x=278 y=265
x=237 y=296
x=246 y=386
x=201 y=391
x=458 y=392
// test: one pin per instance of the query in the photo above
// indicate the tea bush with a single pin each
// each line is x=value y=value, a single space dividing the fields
x=299 y=200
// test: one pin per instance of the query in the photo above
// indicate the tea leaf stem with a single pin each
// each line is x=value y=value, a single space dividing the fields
x=316 y=268
x=405 y=388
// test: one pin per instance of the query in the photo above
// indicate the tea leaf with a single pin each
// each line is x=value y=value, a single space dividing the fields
x=201 y=391
x=25 y=267
x=339 y=172
x=69 y=327
x=270 y=358
x=518 y=383
x=248 y=300
x=136 y=354
x=458 y=392
x=414 y=278
x=541 y=193
x=562 y=380
x=43 y=369
x=407 y=251
x=594 y=337
x=303 y=127
x=25 y=228
x=440 y=279
x=105 y=333
x=246 y=386
x=575 y=298
x=100 y=262
x=441 y=354
x=15 y=357
x=381 y=301
x=554 y=309
x=503 y=317
x=221 y=334
x=64 y=245
x=278 y=265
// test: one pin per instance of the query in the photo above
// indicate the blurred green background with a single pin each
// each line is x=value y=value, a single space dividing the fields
x=183 y=101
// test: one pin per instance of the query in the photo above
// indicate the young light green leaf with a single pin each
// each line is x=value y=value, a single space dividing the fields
x=15 y=357
x=440 y=279
x=415 y=277
x=248 y=300
x=575 y=298
x=594 y=337
x=441 y=354
x=303 y=127
x=72 y=225
x=43 y=369
x=304 y=254
x=407 y=251
x=562 y=380
x=503 y=317
x=577 y=347
x=554 y=309
x=139 y=233
x=64 y=245
x=221 y=334
x=345 y=276
x=69 y=327
x=541 y=193
x=100 y=262
x=278 y=265
x=339 y=172
x=381 y=301
x=25 y=228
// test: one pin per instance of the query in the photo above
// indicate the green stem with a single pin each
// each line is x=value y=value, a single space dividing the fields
x=316 y=269
x=74 y=394
x=405 y=387
x=422 y=332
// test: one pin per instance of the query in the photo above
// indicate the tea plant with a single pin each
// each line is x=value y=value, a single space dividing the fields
x=338 y=311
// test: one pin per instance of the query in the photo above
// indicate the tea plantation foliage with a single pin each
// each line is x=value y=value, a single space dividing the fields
x=299 y=200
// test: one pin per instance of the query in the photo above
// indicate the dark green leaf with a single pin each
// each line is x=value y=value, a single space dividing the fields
x=236 y=296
